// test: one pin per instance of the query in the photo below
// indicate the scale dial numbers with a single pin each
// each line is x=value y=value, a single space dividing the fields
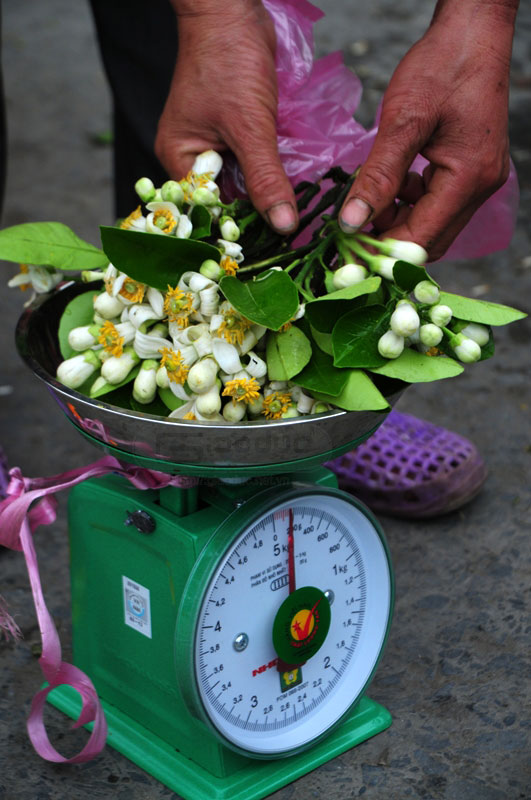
x=256 y=702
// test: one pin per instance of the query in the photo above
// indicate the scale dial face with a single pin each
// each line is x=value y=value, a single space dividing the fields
x=311 y=571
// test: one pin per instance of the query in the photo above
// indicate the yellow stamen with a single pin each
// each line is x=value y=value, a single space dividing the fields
x=111 y=340
x=434 y=351
x=24 y=271
x=173 y=361
x=189 y=415
x=133 y=290
x=276 y=404
x=233 y=326
x=229 y=265
x=242 y=390
x=164 y=219
x=178 y=305
x=127 y=223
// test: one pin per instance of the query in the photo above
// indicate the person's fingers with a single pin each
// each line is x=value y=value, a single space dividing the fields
x=438 y=216
x=400 y=137
x=412 y=188
x=266 y=182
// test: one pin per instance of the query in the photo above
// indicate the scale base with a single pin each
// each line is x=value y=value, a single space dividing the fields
x=256 y=780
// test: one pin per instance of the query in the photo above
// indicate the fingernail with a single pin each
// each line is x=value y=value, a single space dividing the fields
x=355 y=214
x=281 y=216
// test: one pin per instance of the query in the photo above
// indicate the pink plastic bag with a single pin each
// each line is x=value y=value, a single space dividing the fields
x=317 y=130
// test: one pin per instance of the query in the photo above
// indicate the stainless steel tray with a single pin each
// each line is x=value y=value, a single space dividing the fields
x=182 y=443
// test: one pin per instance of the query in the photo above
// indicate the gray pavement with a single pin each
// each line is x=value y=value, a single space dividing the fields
x=455 y=674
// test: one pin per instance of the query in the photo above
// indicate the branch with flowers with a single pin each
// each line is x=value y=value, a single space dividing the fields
x=203 y=312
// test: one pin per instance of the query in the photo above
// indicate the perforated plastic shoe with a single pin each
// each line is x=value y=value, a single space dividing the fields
x=412 y=468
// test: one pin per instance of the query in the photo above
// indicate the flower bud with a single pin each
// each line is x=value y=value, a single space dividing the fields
x=116 y=369
x=184 y=227
x=234 y=412
x=290 y=413
x=202 y=375
x=231 y=249
x=466 y=350
x=82 y=338
x=255 y=406
x=204 y=197
x=405 y=251
x=108 y=306
x=383 y=265
x=348 y=275
x=76 y=370
x=172 y=192
x=99 y=385
x=162 y=378
x=430 y=334
x=478 y=333
x=209 y=403
x=145 y=385
x=440 y=314
x=229 y=230
x=89 y=275
x=145 y=189
x=210 y=162
x=426 y=292
x=211 y=269
x=319 y=408
x=404 y=320
x=390 y=345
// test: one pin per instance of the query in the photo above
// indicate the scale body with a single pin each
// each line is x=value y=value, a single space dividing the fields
x=140 y=585
x=221 y=711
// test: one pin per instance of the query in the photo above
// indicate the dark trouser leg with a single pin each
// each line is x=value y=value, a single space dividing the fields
x=138 y=43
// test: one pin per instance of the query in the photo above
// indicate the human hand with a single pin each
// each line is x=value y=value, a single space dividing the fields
x=448 y=100
x=223 y=95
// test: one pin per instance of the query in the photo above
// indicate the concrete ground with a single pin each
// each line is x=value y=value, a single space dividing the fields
x=455 y=674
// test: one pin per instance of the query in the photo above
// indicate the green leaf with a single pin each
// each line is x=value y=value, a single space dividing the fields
x=169 y=399
x=481 y=311
x=153 y=258
x=49 y=244
x=322 y=340
x=287 y=353
x=79 y=311
x=271 y=299
x=112 y=387
x=324 y=312
x=414 y=367
x=201 y=219
x=355 y=337
x=358 y=394
x=320 y=375
x=407 y=275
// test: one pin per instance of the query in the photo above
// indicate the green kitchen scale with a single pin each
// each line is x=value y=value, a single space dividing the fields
x=230 y=625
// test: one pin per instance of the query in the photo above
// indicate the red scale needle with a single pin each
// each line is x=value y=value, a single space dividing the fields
x=291 y=554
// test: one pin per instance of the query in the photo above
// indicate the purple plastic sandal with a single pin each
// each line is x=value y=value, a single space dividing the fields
x=412 y=468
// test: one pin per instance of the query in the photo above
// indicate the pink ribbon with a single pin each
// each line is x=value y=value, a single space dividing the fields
x=18 y=520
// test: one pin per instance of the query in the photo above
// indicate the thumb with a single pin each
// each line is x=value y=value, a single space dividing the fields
x=266 y=181
x=378 y=183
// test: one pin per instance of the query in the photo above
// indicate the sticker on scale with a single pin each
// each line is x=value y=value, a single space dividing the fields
x=137 y=607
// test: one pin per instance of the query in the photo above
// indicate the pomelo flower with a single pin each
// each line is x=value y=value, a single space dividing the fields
x=276 y=404
x=229 y=265
x=163 y=217
x=242 y=390
x=134 y=221
x=111 y=340
x=129 y=289
x=39 y=279
x=178 y=306
x=234 y=325
x=175 y=367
